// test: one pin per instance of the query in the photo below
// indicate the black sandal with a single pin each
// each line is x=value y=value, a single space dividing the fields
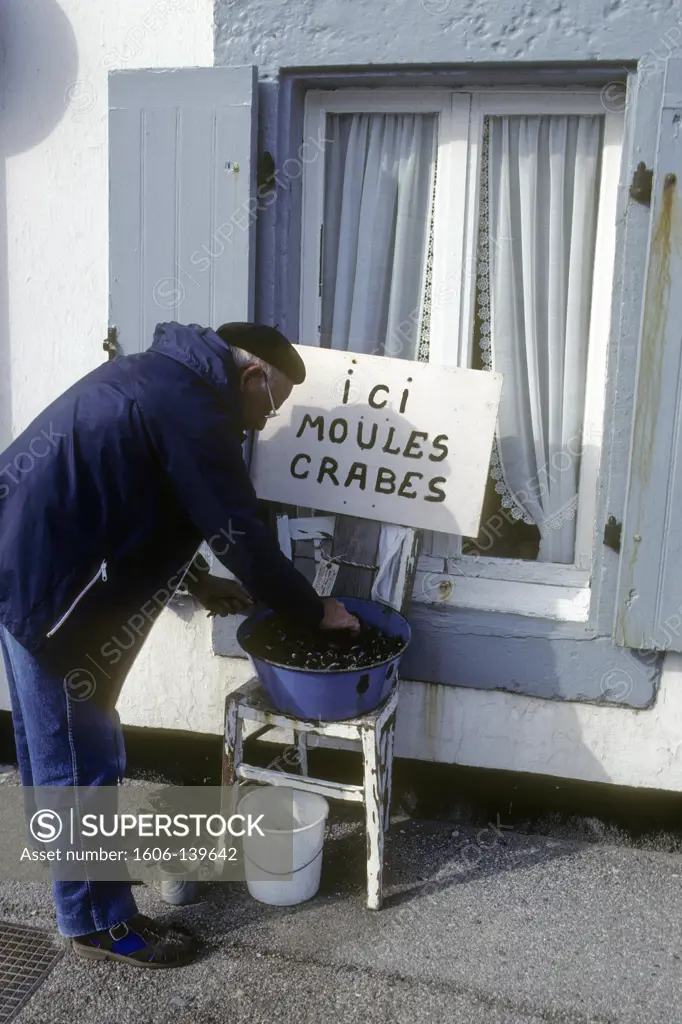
x=140 y=942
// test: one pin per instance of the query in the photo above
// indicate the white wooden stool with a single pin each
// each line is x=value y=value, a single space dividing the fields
x=375 y=730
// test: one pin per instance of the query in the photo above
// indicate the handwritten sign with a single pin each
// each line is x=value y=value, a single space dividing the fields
x=383 y=439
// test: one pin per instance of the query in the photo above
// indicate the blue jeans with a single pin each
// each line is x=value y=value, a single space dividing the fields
x=67 y=741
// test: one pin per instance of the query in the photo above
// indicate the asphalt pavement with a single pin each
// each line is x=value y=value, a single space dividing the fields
x=479 y=925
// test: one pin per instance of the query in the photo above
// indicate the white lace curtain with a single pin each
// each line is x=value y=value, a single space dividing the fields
x=539 y=193
x=378 y=185
x=538 y=227
x=379 y=177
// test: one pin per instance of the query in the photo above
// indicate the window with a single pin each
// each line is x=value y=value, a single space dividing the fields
x=477 y=229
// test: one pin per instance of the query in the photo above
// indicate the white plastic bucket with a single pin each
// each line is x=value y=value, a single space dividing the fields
x=284 y=865
x=178 y=883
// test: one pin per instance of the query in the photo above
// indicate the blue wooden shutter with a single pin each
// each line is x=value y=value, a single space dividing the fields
x=649 y=599
x=182 y=168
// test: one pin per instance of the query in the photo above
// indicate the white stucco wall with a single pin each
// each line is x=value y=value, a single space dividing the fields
x=53 y=296
x=54 y=290
x=575 y=741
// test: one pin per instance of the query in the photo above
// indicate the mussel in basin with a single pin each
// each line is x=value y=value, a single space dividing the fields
x=319 y=676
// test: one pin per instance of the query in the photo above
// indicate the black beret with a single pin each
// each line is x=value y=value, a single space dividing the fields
x=268 y=344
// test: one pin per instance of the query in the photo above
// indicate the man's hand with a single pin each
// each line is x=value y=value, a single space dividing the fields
x=217 y=595
x=220 y=596
x=336 y=616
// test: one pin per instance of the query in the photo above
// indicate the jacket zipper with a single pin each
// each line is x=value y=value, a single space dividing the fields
x=101 y=574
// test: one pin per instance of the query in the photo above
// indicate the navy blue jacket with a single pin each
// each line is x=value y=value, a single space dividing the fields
x=106 y=497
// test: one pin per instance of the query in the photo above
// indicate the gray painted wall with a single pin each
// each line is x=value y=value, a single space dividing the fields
x=333 y=42
x=311 y=33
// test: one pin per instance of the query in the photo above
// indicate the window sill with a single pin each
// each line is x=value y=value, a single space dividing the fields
x=541 y=600
x=514 y=570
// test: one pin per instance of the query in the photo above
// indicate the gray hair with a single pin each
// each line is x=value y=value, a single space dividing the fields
x=244 y=359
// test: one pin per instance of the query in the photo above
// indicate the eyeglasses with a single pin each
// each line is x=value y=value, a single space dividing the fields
x=273 y=411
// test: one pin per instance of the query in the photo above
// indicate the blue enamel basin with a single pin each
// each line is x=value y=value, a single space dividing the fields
x=336 y=694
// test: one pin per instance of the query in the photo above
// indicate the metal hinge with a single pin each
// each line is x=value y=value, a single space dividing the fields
x=111 y=344
x=612 y=533
x=642 y=184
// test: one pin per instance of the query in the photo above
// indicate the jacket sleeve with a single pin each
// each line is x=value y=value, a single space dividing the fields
x=199 y=449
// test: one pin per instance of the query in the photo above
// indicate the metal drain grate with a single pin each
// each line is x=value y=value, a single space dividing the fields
x=27 y=955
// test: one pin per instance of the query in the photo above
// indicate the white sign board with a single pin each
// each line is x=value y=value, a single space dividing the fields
x=383 y=439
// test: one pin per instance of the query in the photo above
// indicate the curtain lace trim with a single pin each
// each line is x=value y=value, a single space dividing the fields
x=483 y=262
x=569 y=511
x=423 y=347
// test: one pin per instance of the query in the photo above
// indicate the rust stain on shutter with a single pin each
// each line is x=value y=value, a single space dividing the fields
x=666 y=237
x=666 y=233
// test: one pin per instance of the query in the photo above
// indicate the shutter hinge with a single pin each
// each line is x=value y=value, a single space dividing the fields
x=111 y=344
x=612 y=533
x=642 y=184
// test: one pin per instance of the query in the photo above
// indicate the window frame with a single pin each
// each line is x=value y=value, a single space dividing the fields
x=544 y=589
